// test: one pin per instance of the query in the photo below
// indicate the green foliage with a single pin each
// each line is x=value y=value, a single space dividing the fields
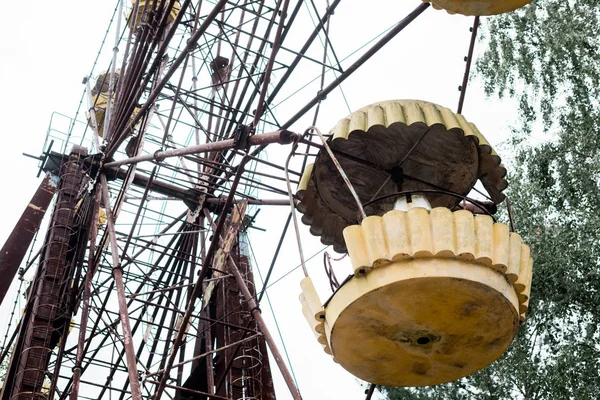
x=4 y=369
x=547 y=56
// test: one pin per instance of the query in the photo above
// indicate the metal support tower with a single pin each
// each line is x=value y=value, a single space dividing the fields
x=144 y=287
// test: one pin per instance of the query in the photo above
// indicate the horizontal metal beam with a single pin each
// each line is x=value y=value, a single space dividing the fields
x=263 y=139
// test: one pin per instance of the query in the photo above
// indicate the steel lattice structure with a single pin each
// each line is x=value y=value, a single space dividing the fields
x=147 y=235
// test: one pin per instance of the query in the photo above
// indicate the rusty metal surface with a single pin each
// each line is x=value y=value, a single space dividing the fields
x=18 y=242
x=47 y=311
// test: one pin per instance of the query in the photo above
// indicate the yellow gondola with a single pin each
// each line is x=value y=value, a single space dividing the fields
x=437 y=292
x=478 y=7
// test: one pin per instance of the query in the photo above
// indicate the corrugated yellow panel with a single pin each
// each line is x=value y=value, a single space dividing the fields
x=413 y=113
x=465 y=234
x=525 y=274
x=523 y=309
x=432 y=114
x=374 y=237
x=375 y=116
x=341 y=129
x=449 y=118
x=514 y=257
x=316 y=327
x=306 y=177
x=357 y=249
x=439 y=233
x=393 y=112
x=420 y=232
x=312 y=298
x=501 y=247
x=442 y=229
x=397 y=235
x=483 y=239
x=358 y=121
x=465 y=125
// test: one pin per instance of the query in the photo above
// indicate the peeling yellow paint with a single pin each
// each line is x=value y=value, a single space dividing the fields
x=422 y=321
x=376 y=119
x=437 y=295
x=420 y=233
x=477 y=7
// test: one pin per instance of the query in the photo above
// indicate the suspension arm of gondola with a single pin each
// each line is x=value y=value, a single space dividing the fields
x=465 y=82
x=136 y=393
x=191 y=43
x=281 y=137
x=203 y=273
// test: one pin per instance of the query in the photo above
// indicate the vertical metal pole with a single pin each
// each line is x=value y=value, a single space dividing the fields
x=269 y=69
x=91 y=104
x=134 y=380
x=465 y=82
x=287 y=376
x=85 y=308
x=370 y=391
x=113 y=69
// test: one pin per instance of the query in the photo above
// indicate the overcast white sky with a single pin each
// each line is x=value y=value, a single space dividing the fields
x=47 y=47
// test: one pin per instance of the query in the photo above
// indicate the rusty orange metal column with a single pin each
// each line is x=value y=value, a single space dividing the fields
x=18 y=242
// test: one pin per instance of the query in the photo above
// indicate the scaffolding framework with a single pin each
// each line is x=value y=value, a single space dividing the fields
x=163 y=289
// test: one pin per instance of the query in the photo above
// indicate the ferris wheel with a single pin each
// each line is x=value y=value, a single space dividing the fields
x=215 y=138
